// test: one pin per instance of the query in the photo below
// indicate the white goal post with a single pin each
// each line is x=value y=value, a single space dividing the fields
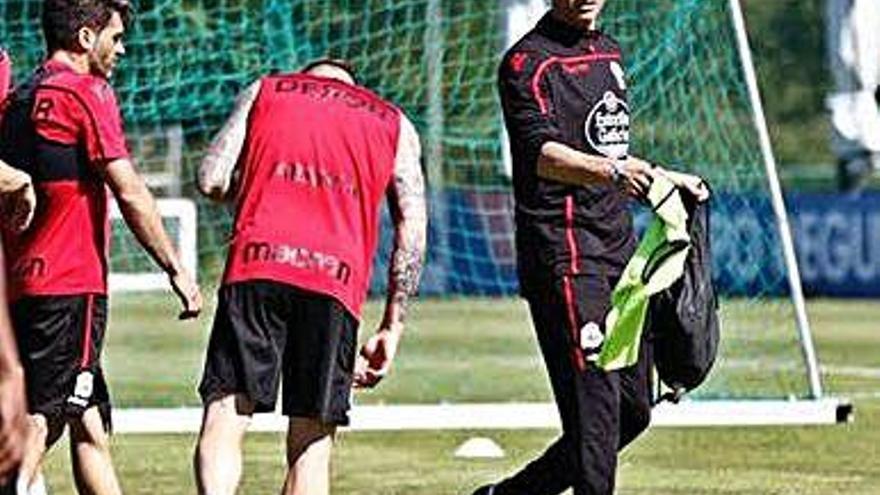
x=184 y=211
x=794 y=278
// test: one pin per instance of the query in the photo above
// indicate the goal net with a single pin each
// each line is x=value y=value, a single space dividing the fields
x=437 y=59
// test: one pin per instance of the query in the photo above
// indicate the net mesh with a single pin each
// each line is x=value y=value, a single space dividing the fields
x=437 y=60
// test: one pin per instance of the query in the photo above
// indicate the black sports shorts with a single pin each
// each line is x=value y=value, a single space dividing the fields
x=60 y=339
x=266 y=330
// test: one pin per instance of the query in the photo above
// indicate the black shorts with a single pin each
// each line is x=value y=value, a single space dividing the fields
x=266 y=330
x=60 y=339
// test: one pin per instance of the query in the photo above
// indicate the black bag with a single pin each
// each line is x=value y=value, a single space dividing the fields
x=683 y=319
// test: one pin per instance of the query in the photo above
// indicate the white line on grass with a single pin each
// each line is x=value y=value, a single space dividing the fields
x=757 y=364
x=863 y=371
x=863 y=395
x=504 y=416
x=859 y=371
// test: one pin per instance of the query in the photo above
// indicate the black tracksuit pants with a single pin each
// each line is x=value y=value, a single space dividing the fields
x=601 y=411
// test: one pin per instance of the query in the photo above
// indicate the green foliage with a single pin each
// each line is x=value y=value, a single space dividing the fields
x=472 y=350
x=788 y=44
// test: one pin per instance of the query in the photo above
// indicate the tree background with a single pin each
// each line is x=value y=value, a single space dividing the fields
x=788 y=44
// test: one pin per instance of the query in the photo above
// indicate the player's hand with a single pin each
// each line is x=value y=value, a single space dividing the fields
x=376 y=356
x=13 y=426
x=17 y=207
x=694 y=184
x=189 y=294
x=637 y=176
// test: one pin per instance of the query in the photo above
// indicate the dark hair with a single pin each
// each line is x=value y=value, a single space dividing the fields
x=62 y=19
x=343 y=64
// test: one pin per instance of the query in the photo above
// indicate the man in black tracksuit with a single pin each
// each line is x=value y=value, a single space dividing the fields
x=563 y=92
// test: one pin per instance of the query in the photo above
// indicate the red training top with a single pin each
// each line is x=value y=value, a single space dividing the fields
x=61 y=128
x=316 y=163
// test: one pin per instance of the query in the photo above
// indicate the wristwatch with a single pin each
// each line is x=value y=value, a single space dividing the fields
x=618 y=171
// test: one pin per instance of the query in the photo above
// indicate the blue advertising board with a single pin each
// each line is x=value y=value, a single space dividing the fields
x=836 y=237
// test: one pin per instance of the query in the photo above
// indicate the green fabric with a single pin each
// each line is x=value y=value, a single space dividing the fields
x=657 y=263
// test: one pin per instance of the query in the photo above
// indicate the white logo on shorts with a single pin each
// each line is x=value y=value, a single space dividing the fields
x=591 y=336
x=85 y=386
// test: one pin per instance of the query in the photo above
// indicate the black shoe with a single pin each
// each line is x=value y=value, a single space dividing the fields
x=485 y=490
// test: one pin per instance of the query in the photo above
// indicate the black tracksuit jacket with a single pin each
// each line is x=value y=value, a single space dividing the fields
x=560 y=84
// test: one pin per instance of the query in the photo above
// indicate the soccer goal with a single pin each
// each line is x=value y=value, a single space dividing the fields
x=695 y=106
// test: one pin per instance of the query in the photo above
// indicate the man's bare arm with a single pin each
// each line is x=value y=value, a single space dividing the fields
x=12 y=179
x=563 y=163
x=18 y=199
x=693 y=183
x=142 y=216
x=12 y=395
x=406 y=200
x=8 y=350
x=217 y=168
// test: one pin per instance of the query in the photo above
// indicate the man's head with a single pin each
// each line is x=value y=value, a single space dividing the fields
x=87 y=28
x=578 y=13
x=334 y=68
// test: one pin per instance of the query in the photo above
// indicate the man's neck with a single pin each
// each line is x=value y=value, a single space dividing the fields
x=332 y=72
x=559 y=16
x=79 y=62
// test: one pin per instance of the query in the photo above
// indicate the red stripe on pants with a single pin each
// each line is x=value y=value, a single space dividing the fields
x=577 y=353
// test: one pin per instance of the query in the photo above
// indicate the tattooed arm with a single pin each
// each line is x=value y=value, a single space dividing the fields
x=215 y=175
x=406 y=200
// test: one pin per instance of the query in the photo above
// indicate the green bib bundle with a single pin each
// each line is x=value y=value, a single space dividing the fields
x=657 y=263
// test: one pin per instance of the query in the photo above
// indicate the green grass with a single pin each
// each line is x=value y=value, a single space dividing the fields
x=482 y=350
x=155 y=361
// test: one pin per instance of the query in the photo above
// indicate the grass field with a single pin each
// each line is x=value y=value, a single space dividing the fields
x=483 y=350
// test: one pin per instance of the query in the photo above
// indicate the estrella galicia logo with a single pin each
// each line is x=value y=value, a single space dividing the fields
x=591 y=336
x=607 y=126
x=591 y=339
